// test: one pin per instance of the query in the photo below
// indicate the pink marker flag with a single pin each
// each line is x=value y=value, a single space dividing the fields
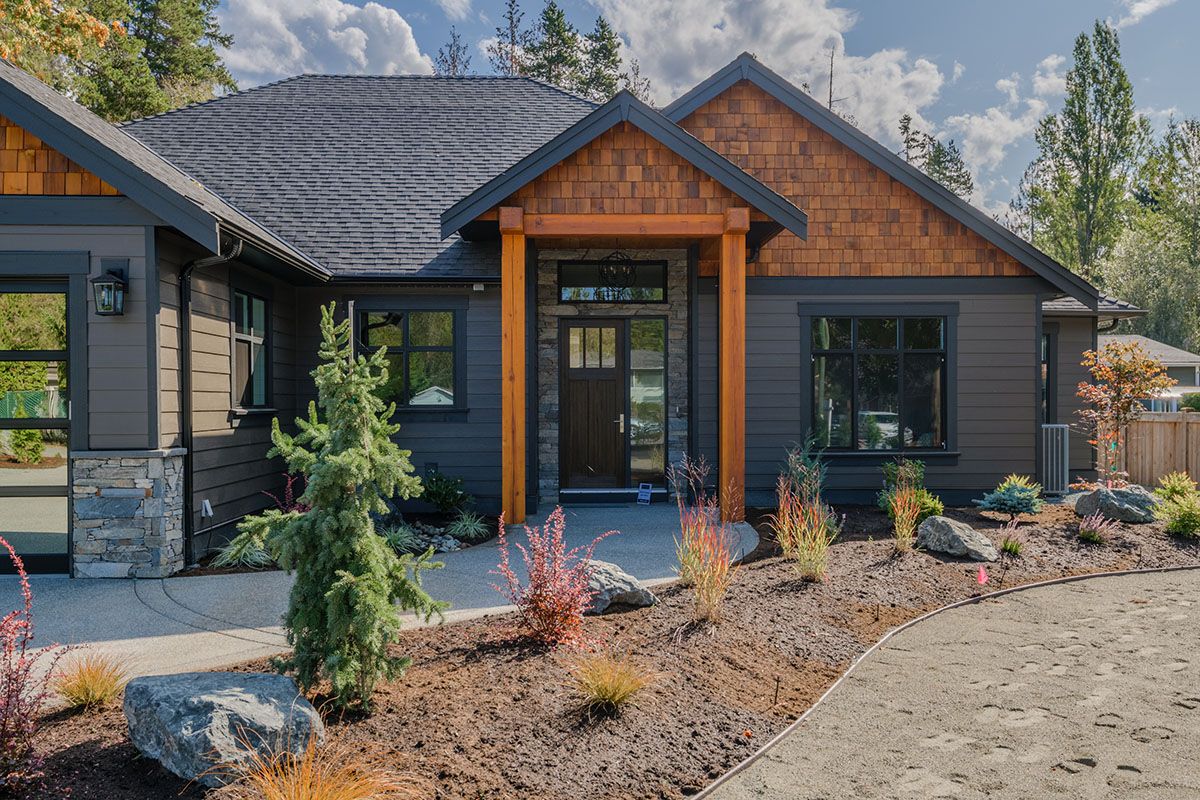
x=982 y=577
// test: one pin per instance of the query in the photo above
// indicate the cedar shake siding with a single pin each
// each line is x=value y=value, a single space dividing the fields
x=861 y=221
x=230 y=466
x=29 y=166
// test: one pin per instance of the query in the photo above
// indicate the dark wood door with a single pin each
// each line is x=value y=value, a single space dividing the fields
x=592 y=409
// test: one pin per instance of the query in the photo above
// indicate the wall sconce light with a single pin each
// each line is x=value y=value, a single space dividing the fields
x=108 y=290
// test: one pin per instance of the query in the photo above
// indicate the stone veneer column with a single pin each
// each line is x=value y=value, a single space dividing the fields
x=127 y=513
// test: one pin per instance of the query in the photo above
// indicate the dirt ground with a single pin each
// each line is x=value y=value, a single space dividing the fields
x=483 y=716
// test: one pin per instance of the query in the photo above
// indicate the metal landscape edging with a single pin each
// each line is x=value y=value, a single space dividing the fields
x=740 y=767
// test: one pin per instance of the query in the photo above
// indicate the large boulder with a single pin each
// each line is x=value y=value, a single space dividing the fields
x=200 y=724
x=945 y=535
x=1129 y=504
x=612 y=585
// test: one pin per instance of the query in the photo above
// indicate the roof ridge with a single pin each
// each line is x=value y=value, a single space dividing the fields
x=210 y=101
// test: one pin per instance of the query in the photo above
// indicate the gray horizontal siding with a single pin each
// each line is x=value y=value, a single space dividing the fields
x=995 y=405
x=1075 y=337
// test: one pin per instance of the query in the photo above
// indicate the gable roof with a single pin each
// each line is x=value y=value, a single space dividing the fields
x=1168 y=355
x=624 y=107
x=747 y=67
x=356 y=169
x=134 y=170
x=1108 y=307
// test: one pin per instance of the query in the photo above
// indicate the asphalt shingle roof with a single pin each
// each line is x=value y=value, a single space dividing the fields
x=1168 y=355
x=1107 y=307
x=356 y=170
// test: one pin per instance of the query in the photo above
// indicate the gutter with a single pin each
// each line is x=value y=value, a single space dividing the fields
x=229 y=252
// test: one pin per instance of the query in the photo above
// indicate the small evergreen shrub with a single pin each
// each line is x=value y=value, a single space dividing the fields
x=26 y=443
x=445 y=493
x=1182 y=515
x=605 y=682
x=243 y=551
x=1096 y=528
x=91 y=680
x=552 y=602
x=1016 y=495
x=468 y=527
x=1175 y=486
x=906 y=512
x=930 y=504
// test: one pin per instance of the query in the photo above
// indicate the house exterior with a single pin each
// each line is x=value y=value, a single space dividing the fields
x=1182 y=366
x=573 y=297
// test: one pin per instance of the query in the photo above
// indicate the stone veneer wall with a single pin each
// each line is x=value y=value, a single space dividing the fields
x=550 y=311
x=127 y=513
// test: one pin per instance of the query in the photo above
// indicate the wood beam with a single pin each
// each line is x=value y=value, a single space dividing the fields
x=629 y=225
x=512 y=364
x=732 y=447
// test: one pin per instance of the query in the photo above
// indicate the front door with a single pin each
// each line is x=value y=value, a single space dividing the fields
x=594 y=388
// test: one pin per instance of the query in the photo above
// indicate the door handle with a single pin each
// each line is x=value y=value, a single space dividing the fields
x=621 y=422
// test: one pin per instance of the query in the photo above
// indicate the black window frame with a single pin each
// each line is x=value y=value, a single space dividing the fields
x=264 y=341
x=666 y=275
x=457 y=307
x=948 y=312
x=1049 y=359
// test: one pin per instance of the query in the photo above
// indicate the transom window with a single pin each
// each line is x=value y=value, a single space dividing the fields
x=879 y=383
x=612 y=280
x=420 y=354
x=250 y=350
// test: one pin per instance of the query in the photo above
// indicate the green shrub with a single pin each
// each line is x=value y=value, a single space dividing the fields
x=1191 y=400
x=401 y=537
x=468 y=527
x=1175 y=486
x=930 y=504
x=907 y=473
x=1182 y=516
x=903 y=472
x=445 y=493
x=1011 y=546
x=1016 y=495
x=243 y=551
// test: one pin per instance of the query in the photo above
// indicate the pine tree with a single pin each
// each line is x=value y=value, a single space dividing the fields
x=600 y=76
x=453 y=58
x=350 y=585
x=507 y=53
x=941 y=161
x=181 y=38
x=115 y=81
x=634 y=83
x=1089 y=154
x=555 y=50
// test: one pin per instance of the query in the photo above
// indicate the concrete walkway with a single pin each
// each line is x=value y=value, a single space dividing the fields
x=1082 y=690
x=204 y=622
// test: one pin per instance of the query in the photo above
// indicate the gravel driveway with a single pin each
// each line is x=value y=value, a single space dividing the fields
x=1082 y=690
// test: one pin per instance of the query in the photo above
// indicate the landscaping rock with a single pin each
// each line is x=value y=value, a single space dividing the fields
x=194 y=722
x=610 y=584
x=1130 y=504
x=945 y=535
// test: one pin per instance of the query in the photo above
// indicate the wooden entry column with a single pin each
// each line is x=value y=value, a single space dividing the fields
x=512 y=364
x=731 y=284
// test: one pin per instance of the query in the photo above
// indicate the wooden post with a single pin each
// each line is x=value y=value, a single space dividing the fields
x=732 y=292
x=512 y=364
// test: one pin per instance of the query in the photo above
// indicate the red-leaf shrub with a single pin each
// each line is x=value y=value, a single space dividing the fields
x=24 y=689
x=552 y=603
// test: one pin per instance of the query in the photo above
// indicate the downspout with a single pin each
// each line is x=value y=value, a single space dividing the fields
x=1112 y=323
x=231 y=249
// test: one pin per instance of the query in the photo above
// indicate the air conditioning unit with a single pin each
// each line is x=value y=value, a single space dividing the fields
x=1056 y=459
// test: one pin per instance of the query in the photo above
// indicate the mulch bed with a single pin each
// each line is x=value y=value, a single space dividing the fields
x=481 y=715
x=9 y=461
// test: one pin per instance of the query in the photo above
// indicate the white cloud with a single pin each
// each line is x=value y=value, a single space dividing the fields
x=278 y=38
x=959 y=69
x=1009 y=86
x=1160 y=118
x=1048 y=79
x=1138 y=10
x=680 y=42
x=987 y=137
x=455 y=9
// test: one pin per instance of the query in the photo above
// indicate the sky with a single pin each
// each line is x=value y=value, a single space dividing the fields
x=979 y=72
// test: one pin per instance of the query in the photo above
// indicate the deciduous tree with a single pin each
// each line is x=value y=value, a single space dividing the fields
x=453 y=58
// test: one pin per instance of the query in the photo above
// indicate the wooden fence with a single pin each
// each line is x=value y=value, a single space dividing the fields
x=1162 y=442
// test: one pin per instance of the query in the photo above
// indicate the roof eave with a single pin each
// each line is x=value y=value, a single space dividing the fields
x=746 y=67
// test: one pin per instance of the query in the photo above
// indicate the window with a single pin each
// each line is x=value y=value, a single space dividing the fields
x=251 y=353
x=879 y=383
x=420 y=352
x=612 y=281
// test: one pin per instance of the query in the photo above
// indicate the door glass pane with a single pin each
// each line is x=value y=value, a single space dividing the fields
x=32 y=389
x=831 y=333
x=431 y=328
x=33 y=321
x=923 y=400
x=30 y=457
x=431 y=378
x=591 y=353
x=833 y=382
x=575 y=336
x=35 y=525
x=877 y=334
x=878 y=420
x=647 y=400
x=608 y=347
